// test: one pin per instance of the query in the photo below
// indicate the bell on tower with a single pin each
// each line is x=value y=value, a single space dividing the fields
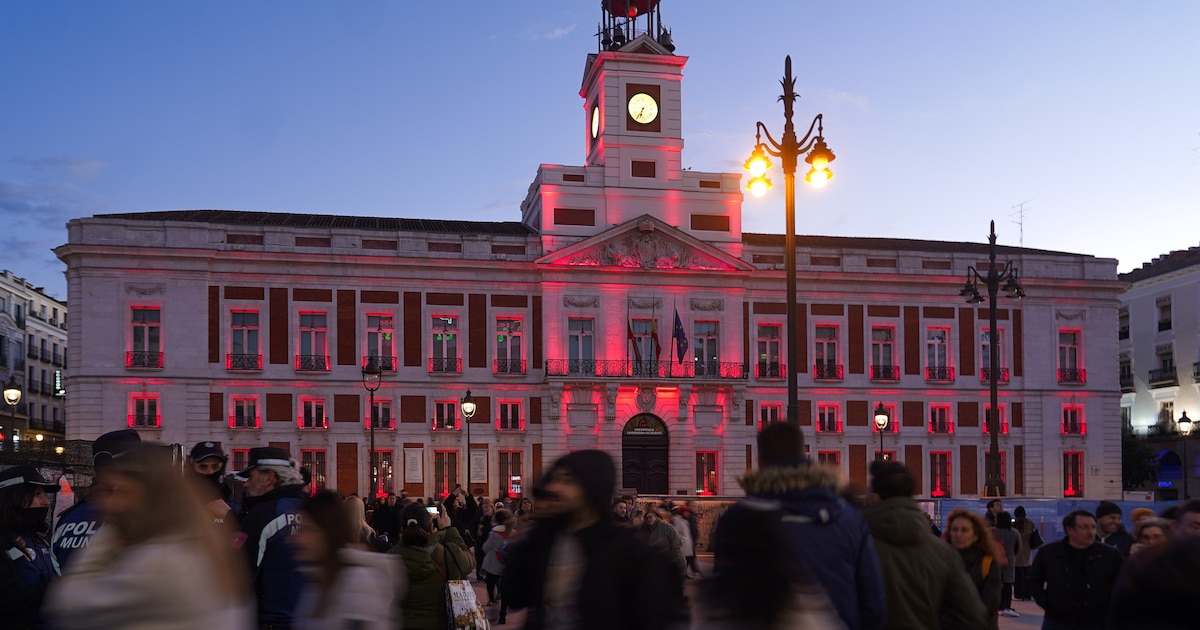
x=620 y=24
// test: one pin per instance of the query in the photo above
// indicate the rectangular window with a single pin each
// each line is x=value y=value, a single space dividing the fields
x=147 y=338
x=1073 y=422
x=1069 y=366
x=883 y=367
x=768 y=351
x=385 y=475
x=510 y=472
x=1123 y=324
x=382 y=417
x=314 y=461
x=1072 y=474
x=444 y=345
x=1164 y=314
x=939 y=474
x=445 y=471
x=144 y=408
x=581 y=352
x=508 y=417
x=828 y=419
x=381 y=342
x=245 y=353
x=1165 y=373
x=706 y=342
x=1002 y=419
x=1166 y=414
x=312 y=414
x=768 y=413
x=314 y=351
x=1127 y=419
x=830 y=458
x=826 y=353
x=706 y=473
x=445 y=415
x=509 y=359
x=986 y=345
x=937 y=355
x=939 y=419
x=240 y=458
x=245 y=414
x=1125 y=371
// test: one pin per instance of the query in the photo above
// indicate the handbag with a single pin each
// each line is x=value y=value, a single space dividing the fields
x=463 y=611
x=1035 y=539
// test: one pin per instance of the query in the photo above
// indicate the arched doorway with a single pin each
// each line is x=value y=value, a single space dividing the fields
x=644 y=455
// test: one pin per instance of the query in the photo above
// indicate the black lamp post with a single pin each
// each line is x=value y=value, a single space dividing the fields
x=12 y=396
x=789 y=150
x=881 y=423
x=996 y=280
x=468 y=411
x=1185 y=429
x=370 y=375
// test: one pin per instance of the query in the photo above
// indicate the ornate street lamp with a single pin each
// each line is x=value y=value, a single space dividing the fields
x=996 y=280
x=1185 y=429
x=468 y=412
x=881 y=423
x=370 y=375
x=12 y=396
x=789 y=150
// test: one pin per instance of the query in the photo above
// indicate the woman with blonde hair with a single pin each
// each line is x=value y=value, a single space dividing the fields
x=972 y=537
x=361 y=532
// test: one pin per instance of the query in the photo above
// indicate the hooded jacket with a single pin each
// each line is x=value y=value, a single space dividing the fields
x=924 y=576
x=828 y=538
x=445 y=557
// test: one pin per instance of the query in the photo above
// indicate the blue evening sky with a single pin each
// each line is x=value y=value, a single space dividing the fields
x=944 y=114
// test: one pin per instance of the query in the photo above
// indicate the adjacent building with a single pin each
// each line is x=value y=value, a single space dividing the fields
x=625 y=310
x=33 y=350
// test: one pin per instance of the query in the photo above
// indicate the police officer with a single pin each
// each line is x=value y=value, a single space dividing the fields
x=269 y=517
x=25 y=565
x=77 y=525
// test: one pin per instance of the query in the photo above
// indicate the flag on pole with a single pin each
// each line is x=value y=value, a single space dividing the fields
x=654 y=338
x=637 y=350
x=680 y=338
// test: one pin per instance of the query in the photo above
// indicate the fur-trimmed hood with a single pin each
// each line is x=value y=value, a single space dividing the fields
x=807 y=492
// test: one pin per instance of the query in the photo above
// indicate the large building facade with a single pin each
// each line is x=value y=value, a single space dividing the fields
x=625 y=311
x=33 y=351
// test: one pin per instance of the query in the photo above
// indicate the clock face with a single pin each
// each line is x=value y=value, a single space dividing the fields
x=595 y=121
x=643 y=108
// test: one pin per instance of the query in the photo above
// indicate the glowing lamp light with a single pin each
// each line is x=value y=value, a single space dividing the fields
x=881 y=417
x=820 y=156
x=759 y=186
x=1185 y=424
x=818 y=178
x=468 y=405
x=758 y=163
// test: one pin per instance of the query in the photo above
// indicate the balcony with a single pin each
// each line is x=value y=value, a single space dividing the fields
x=885 y=372
x=941 y=374
x=244 y=422
x=144 y=421
x=47 y=388
x=1072 y=376
x=445 y=366
x=45 y=355
x=510 y=424
x=945 y=427
x=511 y=367
x=32 y=353
x=32 y=387
x=1123 y=332
x=770 y=370
x=1164 y=324
x=385 y=363
x=46 y=425
x=138 y=359
x=827 y=372
x=1127 y=385
x=1196 y=372
x=645 y=369
x=987 y=429
x=829 y=426
x=312 y=422
x=446 y=424
x=381 y=424
x=312 y=363
x=1163 y=377
x=243 y=362
x=985 y=375
x=1074 y=428
x=57 y=360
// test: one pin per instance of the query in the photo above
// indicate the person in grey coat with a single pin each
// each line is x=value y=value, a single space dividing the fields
x=1010 y=540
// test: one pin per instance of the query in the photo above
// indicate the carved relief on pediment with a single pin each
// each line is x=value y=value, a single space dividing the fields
x=644 y=249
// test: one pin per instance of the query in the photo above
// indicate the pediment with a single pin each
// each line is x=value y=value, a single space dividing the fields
x=645 y=243
x=644 y=44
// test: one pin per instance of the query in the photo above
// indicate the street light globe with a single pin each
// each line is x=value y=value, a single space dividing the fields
x=12 y=393
x=817 y=178
x=759 y=186
x=758 y=162
x=39 y=437
x=1185 y=424
x=468 y=405
x=881 y=417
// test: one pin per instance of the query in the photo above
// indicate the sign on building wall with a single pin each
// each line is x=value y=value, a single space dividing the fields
x=414 y=469
x=478 y=465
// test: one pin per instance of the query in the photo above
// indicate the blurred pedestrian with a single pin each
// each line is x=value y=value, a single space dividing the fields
x=484 y=521
x=687 y=545
x=1008 y=542
x=1158 y=588
x=825 y=534
x=994 y=507
x=927 y=586
x=495 y=556
x=361 y=532
x=1026 y=529
x=576 y=568
x=26 y=568
x=269 y=517
x=433 y=552
x=972 y=537
x=1188 y=518
x=158 y=562
x=661 y=534
x=1138 y=514
x=386 y=519
x=1150 y=532
x=346 y=587
x=1072 y=579
x=77 y=525
x=1110 y=530
x=755 y=586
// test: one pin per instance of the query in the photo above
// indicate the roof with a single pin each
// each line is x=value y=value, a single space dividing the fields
x=1172 y=261
x=894 y=244
x=290 y=219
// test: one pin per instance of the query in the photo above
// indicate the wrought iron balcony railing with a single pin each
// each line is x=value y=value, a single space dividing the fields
x=445 y=366
x=1196 y=371
x=243 y=362
x=386 y=364
x=985 y=375
x=645 y=369
x=827 y=372
x=141 y=420
x=508 y=366
x=1077 y=376
x=940 y=374
x=885 y=372
x=244 y=422
x=45 y=356
x=941 y=427
x=146 y=360
x=1074 y=428
x=1163 y=377
x=770 y=370
x=1127 y=384
x=57 y=360
x=312 y=363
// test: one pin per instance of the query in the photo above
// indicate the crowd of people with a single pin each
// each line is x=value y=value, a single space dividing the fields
x=153 y=548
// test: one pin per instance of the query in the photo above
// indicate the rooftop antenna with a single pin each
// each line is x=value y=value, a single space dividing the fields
x=1019 y=212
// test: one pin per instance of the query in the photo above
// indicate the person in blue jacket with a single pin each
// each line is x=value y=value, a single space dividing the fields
x=270 y=517
x=25 y=566
x=825 y=535
x=78 y=524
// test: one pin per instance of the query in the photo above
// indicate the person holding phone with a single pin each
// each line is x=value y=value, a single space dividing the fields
x=433 y=552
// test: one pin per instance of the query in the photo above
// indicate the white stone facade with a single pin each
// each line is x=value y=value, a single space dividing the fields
x=33 y=349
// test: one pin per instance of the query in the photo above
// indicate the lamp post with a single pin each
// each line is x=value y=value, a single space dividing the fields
x=789 y=150
x=881 y=423
x=468 y=411
x=1185 y=428
x=995 y=280
x=12 y=396
x=370 y=375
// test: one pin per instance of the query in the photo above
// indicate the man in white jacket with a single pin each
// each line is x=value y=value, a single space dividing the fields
x=687 y=546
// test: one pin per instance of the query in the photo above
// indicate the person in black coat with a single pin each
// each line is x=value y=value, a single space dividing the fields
x=1072 y=579
x=577 y=568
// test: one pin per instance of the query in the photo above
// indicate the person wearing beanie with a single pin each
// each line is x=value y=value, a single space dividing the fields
x=77 y=525
x=25 y=567
x=208 y=465
x=577 y=568
x=1109 y=529
x=1141 y=513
